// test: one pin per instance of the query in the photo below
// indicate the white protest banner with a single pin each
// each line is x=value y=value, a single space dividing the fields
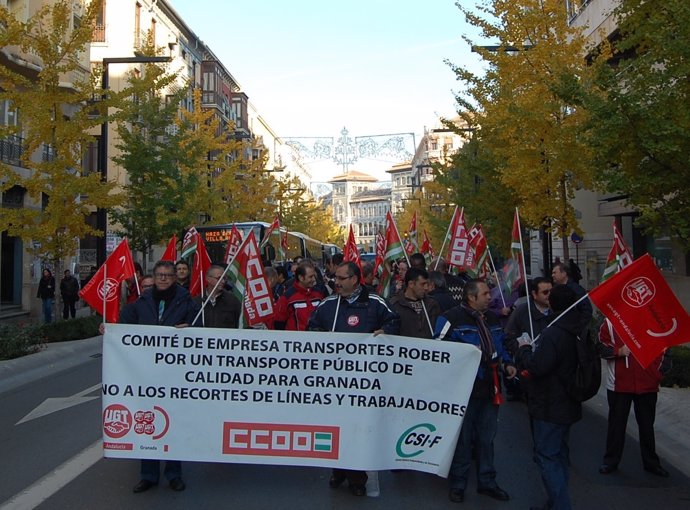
x=344 y=400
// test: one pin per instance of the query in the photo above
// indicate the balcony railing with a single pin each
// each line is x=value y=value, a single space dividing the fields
x=99 y=33
x=11 y=149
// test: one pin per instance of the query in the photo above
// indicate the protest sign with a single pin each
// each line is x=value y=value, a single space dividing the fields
x=344 y=400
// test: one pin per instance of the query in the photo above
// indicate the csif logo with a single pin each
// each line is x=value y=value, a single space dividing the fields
x=416 y=440
x=281 y=440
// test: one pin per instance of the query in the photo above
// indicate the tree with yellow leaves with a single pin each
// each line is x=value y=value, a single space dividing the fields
x=53 y=130
x=524 y=108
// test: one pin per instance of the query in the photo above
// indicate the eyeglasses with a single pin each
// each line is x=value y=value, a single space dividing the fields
x=341 y=278
x=163 y=276
x=217 y=277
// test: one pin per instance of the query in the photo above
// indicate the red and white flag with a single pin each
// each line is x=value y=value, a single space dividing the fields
x=458 y=242
x=201 y=262
x=643 y=310
x=104 y=286
x=170 y=253
x=274 y=228
x=477 y=254
x=250 y=285
x=380 y=253
x=426 y=249
x=232 y=245
x=411 y=244
x=351 y=252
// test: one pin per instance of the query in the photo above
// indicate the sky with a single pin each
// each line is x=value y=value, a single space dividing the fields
x=313 y=67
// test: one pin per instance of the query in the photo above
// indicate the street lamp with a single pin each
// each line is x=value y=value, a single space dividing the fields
x=102 y=213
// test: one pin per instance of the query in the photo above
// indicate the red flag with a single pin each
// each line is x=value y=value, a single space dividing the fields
x=380 y=252
x=202 y=262
x=250 y=284
x=426 y=249
x=171 y=250
x=411 y=244
x=273 y=228
x=513 y=271
x=477 y=253
x=232 y=245
x=351 y=252
x=105 y=284
x=619 y=256
x=643 y=310
x=458 y=246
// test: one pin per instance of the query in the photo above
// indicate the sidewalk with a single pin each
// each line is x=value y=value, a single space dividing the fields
x=672 y=412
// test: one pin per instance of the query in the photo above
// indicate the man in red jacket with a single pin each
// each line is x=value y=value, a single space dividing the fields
x=298 y=302
x=628 y=383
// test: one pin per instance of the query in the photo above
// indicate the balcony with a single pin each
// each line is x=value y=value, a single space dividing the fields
x=99 y=33
x=11 y=150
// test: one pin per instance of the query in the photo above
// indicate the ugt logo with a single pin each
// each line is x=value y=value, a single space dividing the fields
x=638 y=292
x=416 y=440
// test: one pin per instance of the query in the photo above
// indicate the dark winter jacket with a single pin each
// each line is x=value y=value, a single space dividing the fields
x=223 y=312
x=551 y=367
x=518 y=323
x=412 y=323
x=180 y=309
x=46 y=288
x=457 y=325
x=444 y=298
x=69 y=288
x=366 y=314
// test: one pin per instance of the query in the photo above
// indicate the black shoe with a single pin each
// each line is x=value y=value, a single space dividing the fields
x=607 y=469
x=357 y=489
x=494 y=492
x=143 y=486
x=177 y=484
x=336 y=481
x=456 y=495
x=658 y=471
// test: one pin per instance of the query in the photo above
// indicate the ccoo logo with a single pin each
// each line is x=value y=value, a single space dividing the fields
x=416 y=440
x=638 y=292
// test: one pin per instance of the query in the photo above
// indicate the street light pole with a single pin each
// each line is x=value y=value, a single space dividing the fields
x=102 y=213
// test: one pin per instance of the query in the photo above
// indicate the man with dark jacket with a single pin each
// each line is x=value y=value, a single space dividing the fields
x=166 y=304
x=562 y=275
x=551 y=366
x=472 y=323
x=352 y=309
x=69 y=290
x=418 y=313
x=439 y=291
x=223 y=309
x=628 y=383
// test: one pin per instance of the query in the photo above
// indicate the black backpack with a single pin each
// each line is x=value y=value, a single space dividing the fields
x=587 y=379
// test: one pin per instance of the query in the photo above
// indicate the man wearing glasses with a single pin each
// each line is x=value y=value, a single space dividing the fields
x=166 y=304
x=352 y=309
x=223 y=309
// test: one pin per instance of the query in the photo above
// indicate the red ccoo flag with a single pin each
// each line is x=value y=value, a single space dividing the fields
x=105 y=284
x=232 y=245
x=171 y=250
x=643 y=310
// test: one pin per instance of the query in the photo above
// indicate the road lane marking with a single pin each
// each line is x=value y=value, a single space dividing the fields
x=42 y=489
x=53 y=405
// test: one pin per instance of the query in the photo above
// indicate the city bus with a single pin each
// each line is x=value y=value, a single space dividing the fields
x=299 y=245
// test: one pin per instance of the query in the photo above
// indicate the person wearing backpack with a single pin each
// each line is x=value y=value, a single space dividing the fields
x=628 y=383
x=552 y=366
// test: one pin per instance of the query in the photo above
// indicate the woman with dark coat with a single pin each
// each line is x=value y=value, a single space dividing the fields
x=46 y=291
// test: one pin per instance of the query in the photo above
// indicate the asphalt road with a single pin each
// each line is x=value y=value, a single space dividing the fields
x=54 y=462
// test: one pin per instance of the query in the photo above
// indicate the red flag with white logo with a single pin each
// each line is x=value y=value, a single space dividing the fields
x=458 y=245
x=643 y=310
x=351 y=251
x=202 y=261
x=105 y=284
x=250 y=285
x=171 y=250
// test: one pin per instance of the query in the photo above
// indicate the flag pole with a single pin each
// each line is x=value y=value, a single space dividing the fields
x=204 y=302
x=440 y=252
x=498 y=280
x=524 y=273
x=558 y=317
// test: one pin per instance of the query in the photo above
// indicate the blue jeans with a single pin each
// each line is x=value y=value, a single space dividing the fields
x=478 y=428
x=48 y=309
x=551 y=455
x=150 y=470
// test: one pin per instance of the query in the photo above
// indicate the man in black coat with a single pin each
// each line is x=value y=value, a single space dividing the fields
x=69 y=289
x=551 y=362
x=166 y=304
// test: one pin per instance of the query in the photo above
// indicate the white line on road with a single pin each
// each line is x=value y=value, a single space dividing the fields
x=44 y=488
